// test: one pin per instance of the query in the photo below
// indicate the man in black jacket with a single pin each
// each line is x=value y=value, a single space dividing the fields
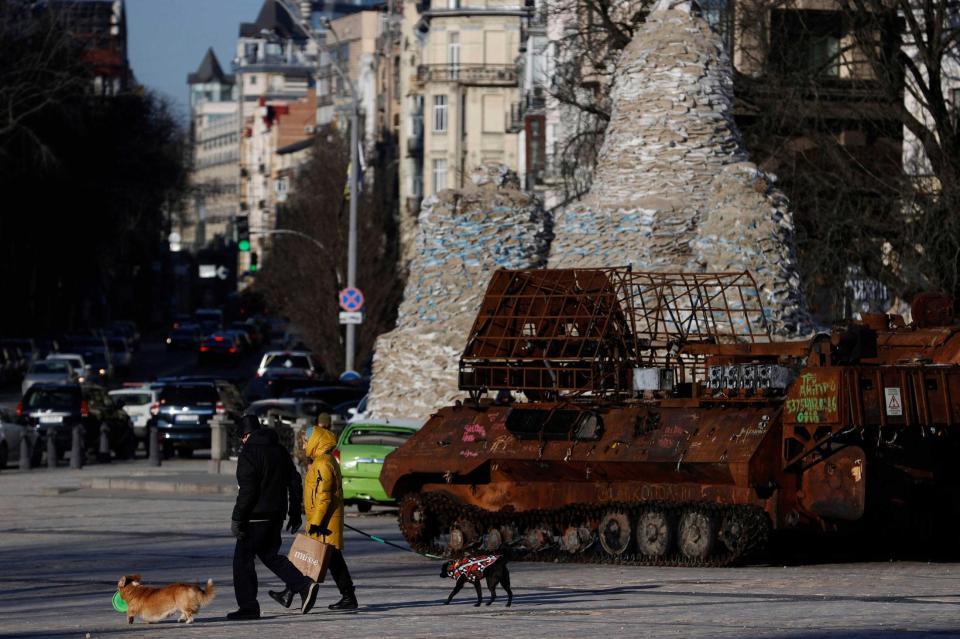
x=267 y=481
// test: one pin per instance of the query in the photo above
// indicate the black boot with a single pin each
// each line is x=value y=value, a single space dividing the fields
x=308 y=597
x=347 y=602
x=244 y=615
x=282 y=597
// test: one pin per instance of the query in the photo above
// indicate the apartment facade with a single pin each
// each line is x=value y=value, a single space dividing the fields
x=215 y=142
x=275 y=64
x=459 y=80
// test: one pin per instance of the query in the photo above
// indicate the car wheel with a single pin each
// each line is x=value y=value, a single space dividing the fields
x=184 y=453
x=4 y=455
x=364 y=506
x=36 y=456
x=167 y=450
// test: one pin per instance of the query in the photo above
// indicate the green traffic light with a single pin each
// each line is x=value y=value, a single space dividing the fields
x=253 y=268
x=244 y=245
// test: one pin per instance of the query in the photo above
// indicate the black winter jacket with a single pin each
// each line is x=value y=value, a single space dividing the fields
x=267 y=479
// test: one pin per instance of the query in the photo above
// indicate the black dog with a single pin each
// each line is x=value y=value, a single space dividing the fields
x=493 y=568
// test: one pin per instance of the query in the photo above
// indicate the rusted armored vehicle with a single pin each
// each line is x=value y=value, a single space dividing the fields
x=650 y=418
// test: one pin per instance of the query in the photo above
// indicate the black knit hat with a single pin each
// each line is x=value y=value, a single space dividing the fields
x=248 y=424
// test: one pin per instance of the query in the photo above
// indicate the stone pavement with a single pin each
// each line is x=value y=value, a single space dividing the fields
x=63 y=547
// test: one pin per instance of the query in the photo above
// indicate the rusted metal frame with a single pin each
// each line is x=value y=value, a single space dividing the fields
x=607 y=318
x=920 y=390
x=816 y=446
x=946 y=397
x=881 y=398
x=743 y=305
x=907 y=410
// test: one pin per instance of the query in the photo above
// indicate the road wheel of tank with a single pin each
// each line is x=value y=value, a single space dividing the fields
x=654 y=533
x=733 y=534
x=364 y=506
x=4 y=455
x=697 y=534
x=413 y=518
x=576 y=539
x=615 y=532
x=537 y=537
x=463 y=534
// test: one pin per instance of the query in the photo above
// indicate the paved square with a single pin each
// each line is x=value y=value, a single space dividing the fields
x=62 y=550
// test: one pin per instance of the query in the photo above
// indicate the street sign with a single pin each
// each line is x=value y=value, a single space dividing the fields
x=351 y=317
x=223 y=272
x=351 y=299
x=207 y=271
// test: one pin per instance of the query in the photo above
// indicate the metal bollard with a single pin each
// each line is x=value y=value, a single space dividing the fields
x=77 y=452
x=25 y=450
x=104 y=452
x=218 y=443
x=153 y=445
x=51 y=449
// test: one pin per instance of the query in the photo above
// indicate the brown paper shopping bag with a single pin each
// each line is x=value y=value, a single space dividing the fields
x=310 y=556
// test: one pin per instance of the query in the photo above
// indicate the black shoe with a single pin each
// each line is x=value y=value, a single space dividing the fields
x=308 y=597
x=347 y=602
x=243 y=615
x=282 y=597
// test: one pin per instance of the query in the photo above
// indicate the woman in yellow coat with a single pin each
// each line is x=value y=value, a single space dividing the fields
x=323 y=504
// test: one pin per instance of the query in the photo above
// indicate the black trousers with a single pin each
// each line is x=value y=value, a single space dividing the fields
x=262 y=540
x=341 y=574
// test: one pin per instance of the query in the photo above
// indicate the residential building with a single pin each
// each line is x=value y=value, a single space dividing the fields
x=274 y=66
x=465 y=85
x=350 y=51
x=215 y=138
x=100 y=28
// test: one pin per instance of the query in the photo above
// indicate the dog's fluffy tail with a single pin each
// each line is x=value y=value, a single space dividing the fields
x=207 y=595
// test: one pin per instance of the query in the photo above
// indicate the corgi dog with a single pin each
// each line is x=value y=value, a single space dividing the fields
x=156 y=604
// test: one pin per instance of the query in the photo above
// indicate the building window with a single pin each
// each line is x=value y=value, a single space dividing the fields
x=439 y=175
x=453 y=4
x=805 y=42
x=453 y=54
x=439 y=114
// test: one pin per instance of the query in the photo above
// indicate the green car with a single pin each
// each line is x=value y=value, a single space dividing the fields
x=361 y=450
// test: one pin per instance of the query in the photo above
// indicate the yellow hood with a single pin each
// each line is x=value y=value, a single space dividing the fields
x=321 y=442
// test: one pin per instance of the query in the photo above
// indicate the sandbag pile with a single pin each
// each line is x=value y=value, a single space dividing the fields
x=463 y=236
x=673 y=189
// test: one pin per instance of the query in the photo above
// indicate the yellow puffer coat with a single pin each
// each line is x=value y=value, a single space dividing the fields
x=323 y=488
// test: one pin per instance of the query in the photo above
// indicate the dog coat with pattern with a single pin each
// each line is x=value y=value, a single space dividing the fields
x=472 y=568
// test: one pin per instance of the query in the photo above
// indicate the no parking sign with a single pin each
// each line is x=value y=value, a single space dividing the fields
x=351 y=299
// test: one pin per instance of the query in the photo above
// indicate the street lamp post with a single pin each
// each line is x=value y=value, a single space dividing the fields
x=354 y=184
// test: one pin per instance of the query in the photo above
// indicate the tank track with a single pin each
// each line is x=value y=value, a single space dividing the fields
x=435 y=524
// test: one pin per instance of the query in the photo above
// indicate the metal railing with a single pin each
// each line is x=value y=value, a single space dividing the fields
x=475 y=74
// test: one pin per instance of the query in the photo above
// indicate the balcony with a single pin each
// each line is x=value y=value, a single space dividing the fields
x=498 y=75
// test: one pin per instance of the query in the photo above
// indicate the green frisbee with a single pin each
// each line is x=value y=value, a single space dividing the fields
x=118 y=603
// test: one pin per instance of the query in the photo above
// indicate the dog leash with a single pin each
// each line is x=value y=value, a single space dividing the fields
x=381 y=540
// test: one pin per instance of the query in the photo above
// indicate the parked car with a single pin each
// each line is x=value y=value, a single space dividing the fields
x=361 y=449
x=54 y=409
x=291 y=362
x=186 y=337
x=101 y=368
x=77 y=361
x=243 y=339
x=137 y=402
x=121 y=353
x=209 y=319
x=220 y=346
x=10 y=434
x=183 y=411
x=274 y=384
x=52 y=371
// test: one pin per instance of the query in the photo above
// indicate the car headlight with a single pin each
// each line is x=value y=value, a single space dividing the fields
x=103 y=371
x=169 y=341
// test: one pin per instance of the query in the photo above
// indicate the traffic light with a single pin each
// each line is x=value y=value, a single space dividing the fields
x=243 y=233
x=254 y=262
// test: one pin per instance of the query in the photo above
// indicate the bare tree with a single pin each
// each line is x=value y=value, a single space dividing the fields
x=303 y=281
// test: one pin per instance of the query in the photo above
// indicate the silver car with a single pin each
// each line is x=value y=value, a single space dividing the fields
x=49 y=371
x=140 y=404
